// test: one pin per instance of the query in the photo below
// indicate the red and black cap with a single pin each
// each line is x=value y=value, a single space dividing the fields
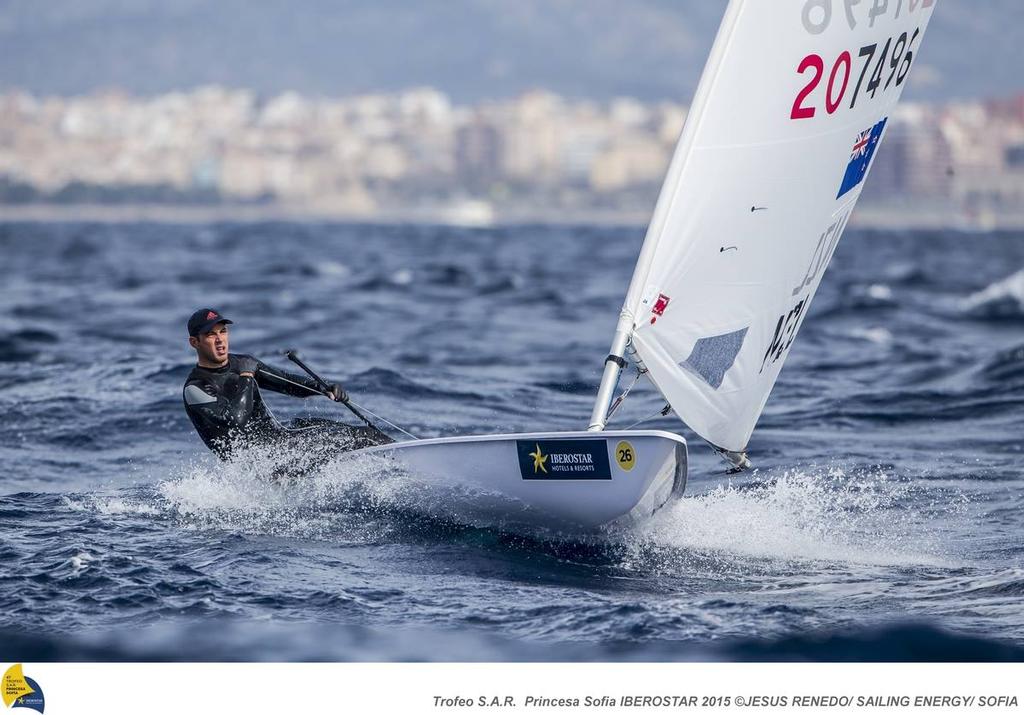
x=203 y=320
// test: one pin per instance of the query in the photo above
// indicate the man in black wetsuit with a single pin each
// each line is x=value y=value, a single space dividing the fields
x=222 y=398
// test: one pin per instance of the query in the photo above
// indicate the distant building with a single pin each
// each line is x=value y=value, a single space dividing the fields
x=914 y=159
x=478 y=153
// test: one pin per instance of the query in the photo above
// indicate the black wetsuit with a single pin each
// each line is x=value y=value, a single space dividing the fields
x=227 y=411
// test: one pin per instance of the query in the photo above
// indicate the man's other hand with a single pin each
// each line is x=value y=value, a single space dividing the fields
x=337 y=393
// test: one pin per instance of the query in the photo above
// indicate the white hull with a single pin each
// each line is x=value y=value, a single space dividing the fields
x=563 y=481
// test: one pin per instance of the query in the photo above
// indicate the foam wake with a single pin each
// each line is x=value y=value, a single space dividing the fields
x=831 y=515
x=282 y=493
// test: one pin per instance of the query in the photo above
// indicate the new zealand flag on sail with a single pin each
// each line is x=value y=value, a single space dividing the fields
x=860 y=157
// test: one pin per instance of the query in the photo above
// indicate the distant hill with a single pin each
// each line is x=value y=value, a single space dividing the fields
x=471 y=49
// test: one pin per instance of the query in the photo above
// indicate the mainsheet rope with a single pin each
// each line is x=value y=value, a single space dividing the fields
x=317 y=392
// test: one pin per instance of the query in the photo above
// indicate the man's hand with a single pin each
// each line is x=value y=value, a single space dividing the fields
x=337 y=393
x=247 y=365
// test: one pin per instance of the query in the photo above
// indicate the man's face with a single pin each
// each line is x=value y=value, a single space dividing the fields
x=212 y=347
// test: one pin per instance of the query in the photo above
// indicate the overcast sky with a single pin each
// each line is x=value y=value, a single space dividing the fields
x=472 y=49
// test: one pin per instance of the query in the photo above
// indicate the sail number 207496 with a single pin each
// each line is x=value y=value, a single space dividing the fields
x=897 y=63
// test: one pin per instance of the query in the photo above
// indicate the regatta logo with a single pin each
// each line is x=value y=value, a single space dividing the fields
x=20 y=691
x=563 y=459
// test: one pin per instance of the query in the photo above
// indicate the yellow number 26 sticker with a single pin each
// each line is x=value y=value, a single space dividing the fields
x=625 y=456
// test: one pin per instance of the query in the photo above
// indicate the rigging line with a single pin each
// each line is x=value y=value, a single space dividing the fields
x=625 y=393
x=663 y=411
x=389 y=424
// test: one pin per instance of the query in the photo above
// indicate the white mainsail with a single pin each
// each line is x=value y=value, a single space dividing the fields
x=781 y=132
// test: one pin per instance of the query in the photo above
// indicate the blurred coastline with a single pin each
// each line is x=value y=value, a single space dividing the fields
x=215 y=153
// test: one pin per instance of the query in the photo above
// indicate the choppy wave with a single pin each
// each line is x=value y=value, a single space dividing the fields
x=1002 y=300
x=1006 y=368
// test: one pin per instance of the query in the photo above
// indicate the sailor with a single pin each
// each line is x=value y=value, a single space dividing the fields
x=222 y=398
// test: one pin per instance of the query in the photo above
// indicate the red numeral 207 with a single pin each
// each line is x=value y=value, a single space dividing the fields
x=832 y=96
x=839 y=77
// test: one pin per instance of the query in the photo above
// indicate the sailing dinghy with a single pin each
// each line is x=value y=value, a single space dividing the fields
x=787 y=117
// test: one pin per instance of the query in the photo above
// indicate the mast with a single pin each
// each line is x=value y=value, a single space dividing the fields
x=613 y=365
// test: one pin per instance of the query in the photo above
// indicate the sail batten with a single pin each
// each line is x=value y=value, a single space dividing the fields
x=781 y=133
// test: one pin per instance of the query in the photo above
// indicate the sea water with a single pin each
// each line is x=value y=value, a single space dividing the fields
x=883 y=519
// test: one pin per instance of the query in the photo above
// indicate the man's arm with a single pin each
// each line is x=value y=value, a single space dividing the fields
x=287 y=383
